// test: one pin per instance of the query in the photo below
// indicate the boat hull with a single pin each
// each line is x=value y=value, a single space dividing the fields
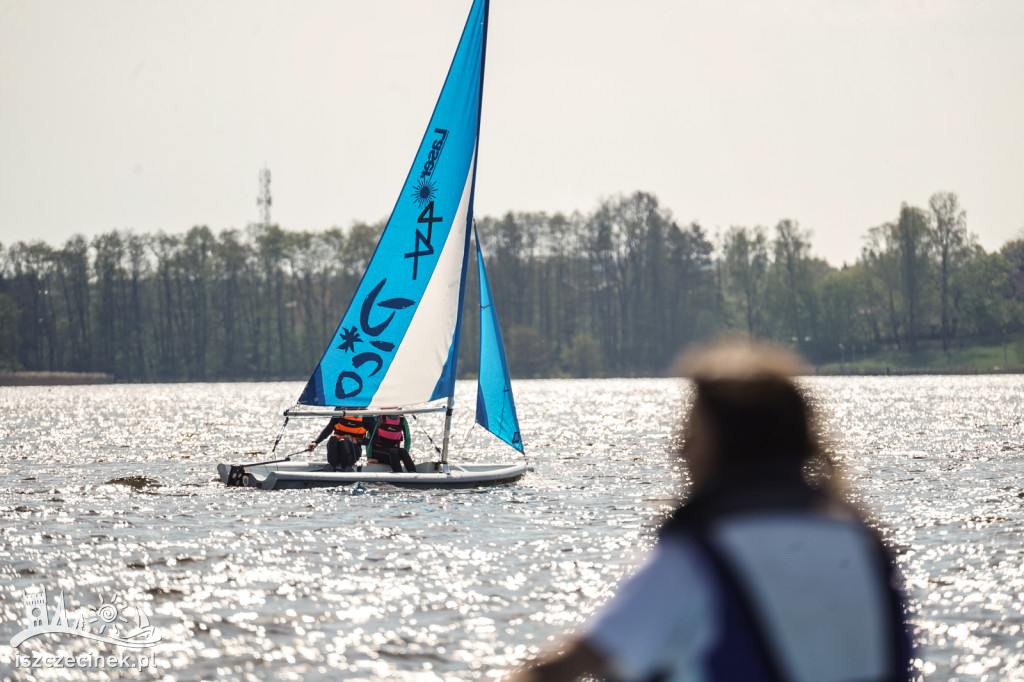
x=292 y=475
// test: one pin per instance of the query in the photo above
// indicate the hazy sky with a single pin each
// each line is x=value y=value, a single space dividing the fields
x=158 y=115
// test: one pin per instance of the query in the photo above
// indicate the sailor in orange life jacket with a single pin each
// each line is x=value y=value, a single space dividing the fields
x=390 y=443
x=346 y=435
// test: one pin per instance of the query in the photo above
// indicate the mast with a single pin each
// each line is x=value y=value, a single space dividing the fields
x=450 y=403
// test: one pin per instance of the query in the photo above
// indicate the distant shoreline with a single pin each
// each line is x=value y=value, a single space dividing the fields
x=825 y=370
x=834 y=371
x=54 y=378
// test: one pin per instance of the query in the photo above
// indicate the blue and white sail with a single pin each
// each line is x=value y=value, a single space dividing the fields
x=495 y=406
x=396 y=348
x=398 y=342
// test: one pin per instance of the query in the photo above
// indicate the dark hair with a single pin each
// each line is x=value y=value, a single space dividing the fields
x=757 y=415
x=757 y=420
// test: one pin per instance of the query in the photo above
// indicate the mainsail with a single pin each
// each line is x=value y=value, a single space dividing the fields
x=397 y=343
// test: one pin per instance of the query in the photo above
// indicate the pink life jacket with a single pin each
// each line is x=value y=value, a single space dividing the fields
x=390 y=431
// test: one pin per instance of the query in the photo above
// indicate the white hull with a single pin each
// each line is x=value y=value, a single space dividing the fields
x=318 y=475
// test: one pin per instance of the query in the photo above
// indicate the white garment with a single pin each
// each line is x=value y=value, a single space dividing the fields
x=816 y=580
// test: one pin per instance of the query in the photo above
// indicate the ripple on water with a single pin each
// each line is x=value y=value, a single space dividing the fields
x=110 y=490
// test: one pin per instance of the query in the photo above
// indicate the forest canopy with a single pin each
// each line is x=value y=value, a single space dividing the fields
x=618 y=291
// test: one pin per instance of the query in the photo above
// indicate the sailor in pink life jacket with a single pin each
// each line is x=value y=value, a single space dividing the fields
x=390 y=443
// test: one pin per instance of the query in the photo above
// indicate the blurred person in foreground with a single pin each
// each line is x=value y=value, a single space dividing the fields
x=765 y=572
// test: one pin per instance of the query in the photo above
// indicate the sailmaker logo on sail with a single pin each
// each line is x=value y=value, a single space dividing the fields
x=425 y=189
x=424 y=194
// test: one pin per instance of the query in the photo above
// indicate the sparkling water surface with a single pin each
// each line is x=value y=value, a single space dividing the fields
x=109 y=494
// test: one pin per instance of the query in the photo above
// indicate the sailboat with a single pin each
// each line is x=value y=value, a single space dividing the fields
x=396 y=349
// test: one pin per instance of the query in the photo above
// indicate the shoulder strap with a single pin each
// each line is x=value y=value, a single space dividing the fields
x=734 y=584
x=900 y=645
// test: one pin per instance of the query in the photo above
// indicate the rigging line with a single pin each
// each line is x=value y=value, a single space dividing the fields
x=279 y=434
x=287 y=458
x=425 y=433
x=465 y=439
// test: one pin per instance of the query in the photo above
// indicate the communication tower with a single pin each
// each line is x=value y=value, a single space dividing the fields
x=264 y=200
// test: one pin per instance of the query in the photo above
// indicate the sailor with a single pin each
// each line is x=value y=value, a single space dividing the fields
x=765 y=572
x=390 y=443
x=346 y=434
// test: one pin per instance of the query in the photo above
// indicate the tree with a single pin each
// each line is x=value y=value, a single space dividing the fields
x=527 y=352
x=983 y=294
x=582 y=357
x=1013 y=251
x=627 y=244
x=31 y=286
x=844 y=300
x=746 y=266
x=792 y=282
x=271 y=245
x=110 y=303
x=9 y=315
x=234 y=298
x=880 y=257
x=696 y=311
x=139 y=307
x=73 y=278
x=167 y=327
x=912 y=233
x=192 y=276
x=949 y=243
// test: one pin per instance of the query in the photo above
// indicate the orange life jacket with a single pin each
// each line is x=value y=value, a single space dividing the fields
x=350 y=426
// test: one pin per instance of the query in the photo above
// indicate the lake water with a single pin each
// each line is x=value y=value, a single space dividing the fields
x=385 y=584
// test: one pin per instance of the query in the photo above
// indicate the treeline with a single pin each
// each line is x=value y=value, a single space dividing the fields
x=618 y=291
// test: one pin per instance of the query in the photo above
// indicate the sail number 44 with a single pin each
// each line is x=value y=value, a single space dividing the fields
x=423 y=247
